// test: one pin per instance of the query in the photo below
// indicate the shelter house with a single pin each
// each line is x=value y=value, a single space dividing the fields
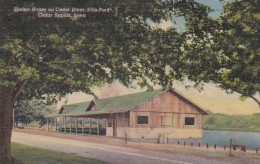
x=146 y=115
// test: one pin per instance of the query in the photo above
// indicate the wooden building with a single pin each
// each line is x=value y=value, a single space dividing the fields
x=146 y=115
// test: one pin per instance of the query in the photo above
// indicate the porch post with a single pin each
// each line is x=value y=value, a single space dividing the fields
x=76 y=125
x=124 y=119
x=98 y=126
x=64 y=119
x=90 y=125
x=48 y=124
x=56 y=125
x=125 y=128
x=60 y=125
x=82 y=125
x=70 y=124
x=51 y=123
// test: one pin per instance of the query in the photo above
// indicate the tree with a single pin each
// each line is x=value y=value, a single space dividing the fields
x=26 y=111
x=51 y=57
x=23 y=113
x=226 y=51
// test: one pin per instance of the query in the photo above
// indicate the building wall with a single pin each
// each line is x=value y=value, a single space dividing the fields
x=166 y=111
x=109 y=131
x=122 y=119
x=155 y=133
x=165 y=120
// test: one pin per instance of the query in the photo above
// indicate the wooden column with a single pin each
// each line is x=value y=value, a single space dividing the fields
x=124 y=120
x=51 y=124
x=56 y=125
x=76 y=125
x=114 y=124
x=64 y=119
x=82 y=125
x=125 y=127
x=70 y=124
x=60 y=125
x=48 y=124
x=90 y=125
x=98 y=126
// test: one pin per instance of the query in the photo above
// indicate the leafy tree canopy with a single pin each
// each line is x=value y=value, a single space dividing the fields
x=225 y=51
x=34 y=110
x=51 y=57
x=54 y=57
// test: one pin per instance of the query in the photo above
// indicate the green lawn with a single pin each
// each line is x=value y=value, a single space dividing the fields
x=23 y=154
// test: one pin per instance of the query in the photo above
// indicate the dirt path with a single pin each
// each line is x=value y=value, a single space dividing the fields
x=210 y=154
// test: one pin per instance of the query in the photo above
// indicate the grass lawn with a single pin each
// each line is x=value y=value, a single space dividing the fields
x=23 y=154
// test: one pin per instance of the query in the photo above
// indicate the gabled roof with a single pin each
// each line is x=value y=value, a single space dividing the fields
x=75 y=109
x=69 y=110
x=124 y=103
x=117 y=104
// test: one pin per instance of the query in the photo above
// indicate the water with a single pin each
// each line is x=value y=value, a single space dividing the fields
x=221 y=138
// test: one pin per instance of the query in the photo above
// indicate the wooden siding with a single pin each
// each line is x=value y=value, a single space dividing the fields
x=123 y=119
x=164 y=107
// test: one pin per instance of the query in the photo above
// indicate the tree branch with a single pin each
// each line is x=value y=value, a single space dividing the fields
x=256 y=100
x=19 y=91
x=226 y=86
x=29 y=41
x=251 y=96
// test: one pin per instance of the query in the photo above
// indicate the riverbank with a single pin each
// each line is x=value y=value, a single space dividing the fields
x=188 y=150
x=249 y=123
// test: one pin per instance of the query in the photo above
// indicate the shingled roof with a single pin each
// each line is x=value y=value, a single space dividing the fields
x=116 y=104
x=124 y=103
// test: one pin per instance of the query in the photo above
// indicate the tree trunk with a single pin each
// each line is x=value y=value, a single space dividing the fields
x=6 y=124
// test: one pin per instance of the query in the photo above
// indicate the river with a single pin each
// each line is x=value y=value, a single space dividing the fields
x=222 y=137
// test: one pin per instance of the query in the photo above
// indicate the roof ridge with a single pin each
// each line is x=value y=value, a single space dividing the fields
x=123 y=103
x=152 y=96
x=128 y=94
x=78 y=103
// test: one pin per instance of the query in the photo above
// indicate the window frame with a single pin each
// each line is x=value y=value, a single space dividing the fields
x=189 y=122
x=163 y=121
x=142 y=123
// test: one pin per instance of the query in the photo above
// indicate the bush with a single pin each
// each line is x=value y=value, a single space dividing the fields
x=34 y=124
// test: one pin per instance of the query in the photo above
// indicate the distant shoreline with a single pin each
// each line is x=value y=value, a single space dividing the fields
x=245 y=123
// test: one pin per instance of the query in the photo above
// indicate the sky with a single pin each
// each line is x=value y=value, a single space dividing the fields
x=211 y=98
x=216 y=5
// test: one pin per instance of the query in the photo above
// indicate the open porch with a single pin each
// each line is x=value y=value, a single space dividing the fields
x=104 y=124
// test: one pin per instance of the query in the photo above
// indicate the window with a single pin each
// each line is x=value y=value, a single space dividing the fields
x=166 y=120
x=189 y=120
x=142 y=119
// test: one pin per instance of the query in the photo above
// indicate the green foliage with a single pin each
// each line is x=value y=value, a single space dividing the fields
x=225 y=51
x=54 y=57
x=23 y=154
x=34 y=124
x=227 y=122
x=27 y=111
x=50 y=58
